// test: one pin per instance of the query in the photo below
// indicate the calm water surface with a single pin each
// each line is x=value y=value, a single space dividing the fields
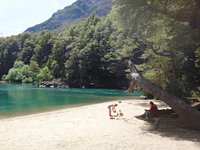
x=18 y=99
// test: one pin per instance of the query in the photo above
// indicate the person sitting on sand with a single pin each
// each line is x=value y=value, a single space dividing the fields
x=120 y=115
x=111 y=109
x=152 y=112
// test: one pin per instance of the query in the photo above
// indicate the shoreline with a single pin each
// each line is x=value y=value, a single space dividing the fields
x=89 y=127
x=59 y=107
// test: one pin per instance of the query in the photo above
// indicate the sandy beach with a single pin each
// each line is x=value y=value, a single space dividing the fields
x=90 y=128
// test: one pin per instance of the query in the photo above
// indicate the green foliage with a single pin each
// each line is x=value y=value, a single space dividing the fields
x=34 y=69
x=44 y=74
x=170 y=32
x=9 y=49
x=19 y=73
x=88 y=54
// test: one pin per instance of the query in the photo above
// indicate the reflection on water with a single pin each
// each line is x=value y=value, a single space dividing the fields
x=24 y=98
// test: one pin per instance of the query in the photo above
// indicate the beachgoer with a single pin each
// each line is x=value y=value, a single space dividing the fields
x=111 y=109
x=121 y=116
x=153 y=111
x=120 y=113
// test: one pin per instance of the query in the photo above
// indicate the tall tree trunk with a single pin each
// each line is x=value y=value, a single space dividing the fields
x=189 y=115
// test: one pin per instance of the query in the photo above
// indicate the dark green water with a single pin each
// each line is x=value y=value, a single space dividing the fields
x=17 y=99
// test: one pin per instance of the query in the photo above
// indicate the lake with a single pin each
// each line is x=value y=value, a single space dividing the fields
x=20 y=99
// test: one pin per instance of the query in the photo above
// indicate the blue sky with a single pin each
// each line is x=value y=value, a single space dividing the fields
x=17 y=15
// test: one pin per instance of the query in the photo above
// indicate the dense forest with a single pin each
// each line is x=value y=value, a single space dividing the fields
x=88 y=54
x=160 y=37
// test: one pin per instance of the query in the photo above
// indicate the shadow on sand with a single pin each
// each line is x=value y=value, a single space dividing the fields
x=169 y=124
x=172 y=127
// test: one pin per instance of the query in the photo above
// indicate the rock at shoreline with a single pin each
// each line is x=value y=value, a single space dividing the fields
x=53 y=84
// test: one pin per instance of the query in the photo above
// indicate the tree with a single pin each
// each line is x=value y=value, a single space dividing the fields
x=9 y=49
x=27 y=50
x=34 y=69
x=19 y=73
x=44 y=74
x=169 y=30
x=43 y=48
x=58 y=55
x=188 y=114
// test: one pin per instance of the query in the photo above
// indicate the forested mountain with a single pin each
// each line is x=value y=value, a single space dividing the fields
x=79 y=10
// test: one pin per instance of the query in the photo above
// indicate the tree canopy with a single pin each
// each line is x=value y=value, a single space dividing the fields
x=169 y=30
x=168 y=33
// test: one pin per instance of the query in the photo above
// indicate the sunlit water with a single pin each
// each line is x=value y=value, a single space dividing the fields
x=20 y=99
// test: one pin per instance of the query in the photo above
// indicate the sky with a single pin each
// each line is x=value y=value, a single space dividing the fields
x=18 y=15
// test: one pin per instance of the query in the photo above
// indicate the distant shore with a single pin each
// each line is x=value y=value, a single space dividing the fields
x=90 y=128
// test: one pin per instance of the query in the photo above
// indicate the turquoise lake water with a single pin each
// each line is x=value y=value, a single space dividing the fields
x=18 y=99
